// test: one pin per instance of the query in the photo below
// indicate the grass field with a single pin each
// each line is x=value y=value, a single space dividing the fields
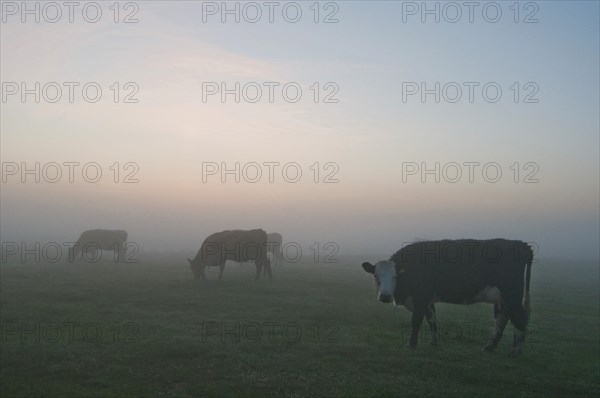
x=316 y=330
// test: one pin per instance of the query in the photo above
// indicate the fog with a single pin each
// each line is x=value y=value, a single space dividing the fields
x=535 y=175
x=373 y=222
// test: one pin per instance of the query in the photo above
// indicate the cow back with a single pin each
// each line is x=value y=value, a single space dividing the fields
x=236 y=245
x=106 y=239
x=456 y=270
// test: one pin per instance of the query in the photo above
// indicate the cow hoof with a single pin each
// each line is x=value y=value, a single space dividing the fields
x=516 y=351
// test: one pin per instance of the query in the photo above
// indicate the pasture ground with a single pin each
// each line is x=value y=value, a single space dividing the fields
x=149 y=329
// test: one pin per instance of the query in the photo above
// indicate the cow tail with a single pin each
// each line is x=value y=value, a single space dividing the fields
x=527 y=301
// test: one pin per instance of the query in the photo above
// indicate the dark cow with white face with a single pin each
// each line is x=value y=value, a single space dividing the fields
x=463 y=271
x=236 y=245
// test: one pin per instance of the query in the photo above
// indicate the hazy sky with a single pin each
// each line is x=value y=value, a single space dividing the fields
x=371 y=55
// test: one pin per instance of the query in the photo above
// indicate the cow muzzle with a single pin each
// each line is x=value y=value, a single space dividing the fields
x=385 y=298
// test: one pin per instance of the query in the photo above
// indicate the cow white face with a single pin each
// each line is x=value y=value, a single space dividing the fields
x=385 y=278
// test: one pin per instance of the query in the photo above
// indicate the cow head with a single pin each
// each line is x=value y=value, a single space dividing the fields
x=197 y=268
x=385 y=278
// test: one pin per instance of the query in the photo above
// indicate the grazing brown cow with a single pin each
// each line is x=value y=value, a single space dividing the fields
x=236 y=245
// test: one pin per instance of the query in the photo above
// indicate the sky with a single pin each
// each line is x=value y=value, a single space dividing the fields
x=368 y=136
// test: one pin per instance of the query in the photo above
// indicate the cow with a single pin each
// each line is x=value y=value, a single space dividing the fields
x=236 y=245
x=465 y=271
x=100 y=239
x=274 y=241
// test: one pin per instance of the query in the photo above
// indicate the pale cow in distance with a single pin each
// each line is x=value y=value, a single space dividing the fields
x=235 y=245
x=274 y=242
x=100 y=239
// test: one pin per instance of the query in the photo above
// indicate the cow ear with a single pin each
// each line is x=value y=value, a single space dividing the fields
x=370 y=268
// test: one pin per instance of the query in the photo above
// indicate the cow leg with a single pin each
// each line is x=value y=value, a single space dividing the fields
x=120 y=254
x=75 y=251
x=258 y=270
x=518 y=340
x=430 y=316
x=92 y=252
x=417 y=319
x=221 y=268
x=501 y=320
x=519 y=320
x=268 y=269
x=274 y=258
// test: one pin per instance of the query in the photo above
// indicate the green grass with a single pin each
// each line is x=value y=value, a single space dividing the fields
x=163 y=350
